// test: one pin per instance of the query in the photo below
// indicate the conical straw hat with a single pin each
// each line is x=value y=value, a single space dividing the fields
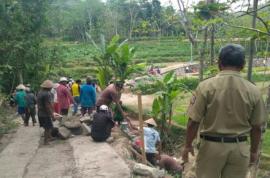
x=63 y=79
x=151 y=121
x=47 y=84
x=20 y=87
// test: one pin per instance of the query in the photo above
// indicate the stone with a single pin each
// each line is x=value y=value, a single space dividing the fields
x=86 y=120
x=64 y=133
x=77 y=131
x=72 y=124
x=86 y=129
x=110 y=139
x=143 y=170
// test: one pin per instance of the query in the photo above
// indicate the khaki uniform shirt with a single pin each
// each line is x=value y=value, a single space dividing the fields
x=227 y=105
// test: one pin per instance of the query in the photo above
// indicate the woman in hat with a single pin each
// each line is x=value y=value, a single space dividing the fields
x=64 y=96
x=20 y=100
x=45 y=109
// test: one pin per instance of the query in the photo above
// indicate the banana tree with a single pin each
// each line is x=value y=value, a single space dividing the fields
x=121 y=61
x=115 y=60
x=104 y=72
x=162 y=105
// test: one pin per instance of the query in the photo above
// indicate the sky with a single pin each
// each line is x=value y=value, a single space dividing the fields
x=235 y=6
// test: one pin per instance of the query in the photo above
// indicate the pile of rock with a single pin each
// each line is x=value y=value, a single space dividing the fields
x=73 y=125
x=146 y=171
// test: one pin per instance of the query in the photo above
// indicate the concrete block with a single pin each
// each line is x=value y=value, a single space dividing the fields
x=64 y=133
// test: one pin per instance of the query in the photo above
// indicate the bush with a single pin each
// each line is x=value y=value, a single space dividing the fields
x=149 y=86
x=146 y=86
x=260 y=77
x=189 y=83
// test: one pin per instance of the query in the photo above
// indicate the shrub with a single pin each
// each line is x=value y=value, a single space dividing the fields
x=146 y=86
x=189 y=83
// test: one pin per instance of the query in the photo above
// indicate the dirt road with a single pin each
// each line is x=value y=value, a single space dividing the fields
x=77 y=157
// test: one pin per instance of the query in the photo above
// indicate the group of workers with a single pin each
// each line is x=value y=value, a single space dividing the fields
x=56 y=98
x=227 y=108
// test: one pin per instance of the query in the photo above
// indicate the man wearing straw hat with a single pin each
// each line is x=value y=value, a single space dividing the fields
x=45 y=109
x=151 y=139
x=20 y=100
x=152 y=143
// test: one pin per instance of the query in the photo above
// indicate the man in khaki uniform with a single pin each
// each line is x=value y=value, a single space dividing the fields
x=229 y=109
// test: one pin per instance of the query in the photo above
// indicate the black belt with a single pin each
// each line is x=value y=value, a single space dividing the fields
x=224 y=139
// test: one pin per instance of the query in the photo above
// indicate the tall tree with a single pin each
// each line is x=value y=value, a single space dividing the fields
x=252 y=40
x=21 y=40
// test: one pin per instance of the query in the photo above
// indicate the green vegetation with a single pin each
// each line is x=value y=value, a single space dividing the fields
x=180 y=119
x=155 y=51
x=266 y=142
x=6 y=123
x=46 y=39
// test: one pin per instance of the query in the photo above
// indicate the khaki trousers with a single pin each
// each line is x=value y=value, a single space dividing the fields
x=222 y=160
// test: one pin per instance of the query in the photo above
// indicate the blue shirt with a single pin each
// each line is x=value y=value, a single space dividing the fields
x=151 y=137
x=87 y=96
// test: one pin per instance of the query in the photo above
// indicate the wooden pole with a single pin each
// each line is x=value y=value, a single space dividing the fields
x=141 y=126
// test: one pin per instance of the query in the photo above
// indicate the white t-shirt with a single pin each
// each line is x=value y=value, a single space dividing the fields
x=53 y=91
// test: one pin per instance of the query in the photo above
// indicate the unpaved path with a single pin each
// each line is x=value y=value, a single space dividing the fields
x=77 y=157
x=131 y=100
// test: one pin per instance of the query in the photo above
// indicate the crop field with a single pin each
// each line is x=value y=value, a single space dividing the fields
x=79 y=62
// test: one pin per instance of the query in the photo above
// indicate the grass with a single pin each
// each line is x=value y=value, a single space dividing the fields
x=161 y=50
x=146 y=50
x=180 y=109
x=266 y=142
x=6 y=123
x=180 y=119
x=79 y=57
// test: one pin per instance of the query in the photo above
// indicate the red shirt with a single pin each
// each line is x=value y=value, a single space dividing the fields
x=64 y=97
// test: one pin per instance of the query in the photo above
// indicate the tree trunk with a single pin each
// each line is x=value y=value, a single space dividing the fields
x=202 y=54
x=212 y=50
x=268 y=100
x=252 y=41
x=20 y=76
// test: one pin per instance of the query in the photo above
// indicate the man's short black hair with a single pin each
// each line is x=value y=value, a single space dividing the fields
x=78 y=81
x=88 y=80
x=119 y=84
x=232 y=55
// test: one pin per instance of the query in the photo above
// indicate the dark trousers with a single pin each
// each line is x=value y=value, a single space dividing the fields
x=151 y=157
x=30 y=112
x=85 y=110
